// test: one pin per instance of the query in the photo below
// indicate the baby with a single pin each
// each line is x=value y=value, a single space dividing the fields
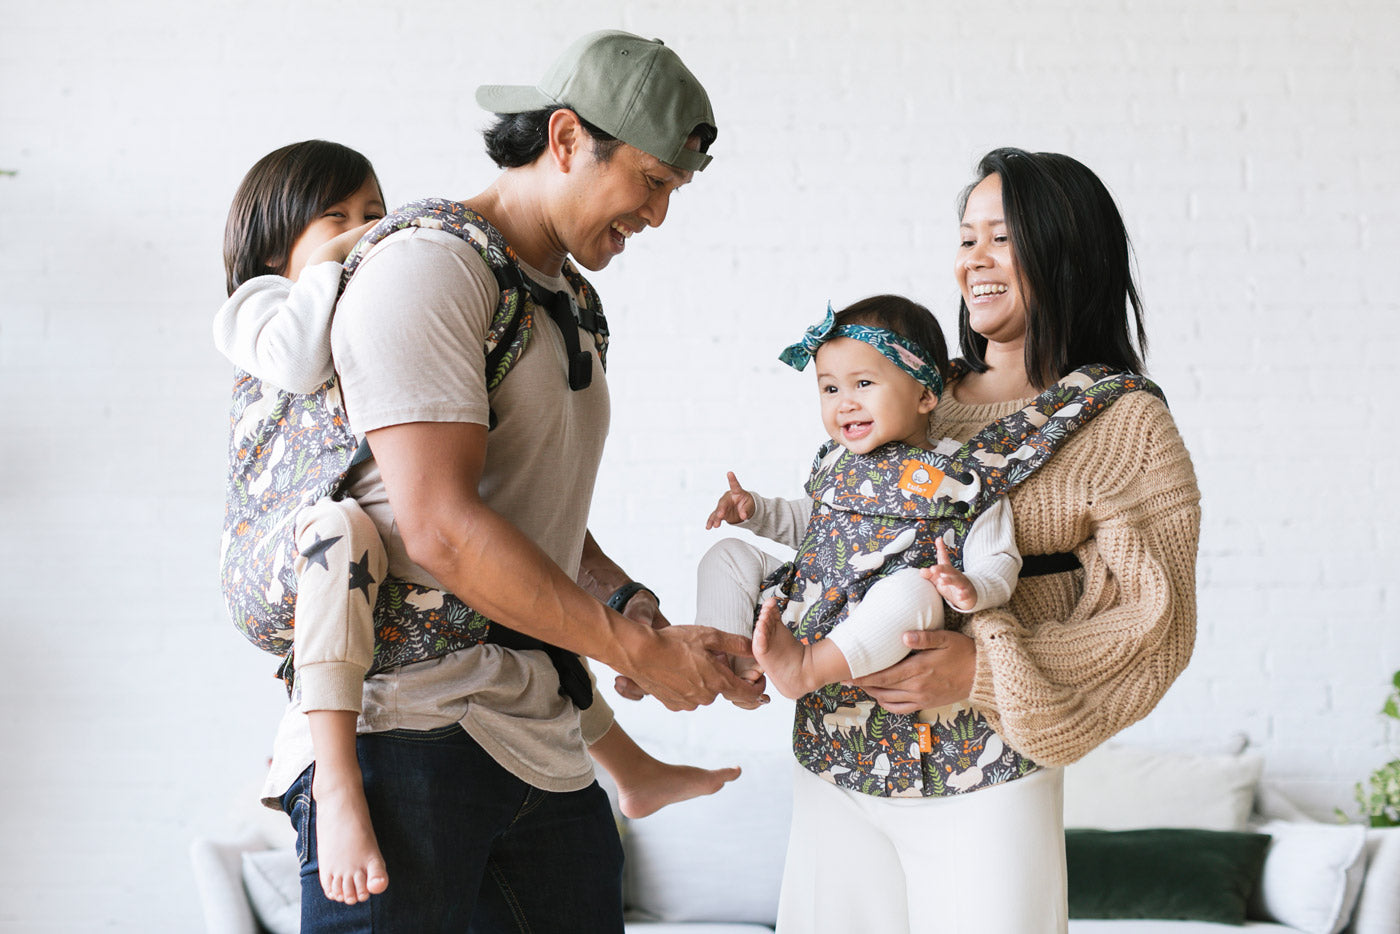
x=879 y=545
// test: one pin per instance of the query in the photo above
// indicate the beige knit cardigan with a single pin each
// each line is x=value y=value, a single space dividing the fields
x=1075 y=657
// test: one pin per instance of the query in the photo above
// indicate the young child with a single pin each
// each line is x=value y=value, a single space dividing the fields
x=295 y=218
x=879 y=375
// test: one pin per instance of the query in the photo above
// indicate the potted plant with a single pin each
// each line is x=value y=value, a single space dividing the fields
x=1380 y=796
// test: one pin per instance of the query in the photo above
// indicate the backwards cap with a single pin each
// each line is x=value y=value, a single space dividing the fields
x=635 y=89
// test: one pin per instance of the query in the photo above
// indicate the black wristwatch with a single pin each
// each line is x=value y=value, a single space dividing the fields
x=620 y=596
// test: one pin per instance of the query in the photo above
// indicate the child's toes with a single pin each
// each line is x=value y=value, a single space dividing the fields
x=378 y=878
x=358 y=892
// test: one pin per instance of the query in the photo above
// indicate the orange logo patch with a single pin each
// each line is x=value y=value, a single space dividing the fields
x=920 y=479
x=925 y=737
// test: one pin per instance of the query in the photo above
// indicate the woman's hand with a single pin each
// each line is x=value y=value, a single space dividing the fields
x=938 y=672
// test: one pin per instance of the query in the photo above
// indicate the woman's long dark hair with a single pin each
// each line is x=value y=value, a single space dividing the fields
x=280 y=196
x=1074 y=263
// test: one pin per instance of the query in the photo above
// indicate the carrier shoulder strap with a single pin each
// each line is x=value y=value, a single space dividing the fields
x=1008 y=451
x=511 y=321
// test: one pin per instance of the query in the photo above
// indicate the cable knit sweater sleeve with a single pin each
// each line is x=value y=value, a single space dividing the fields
x=1067 y=664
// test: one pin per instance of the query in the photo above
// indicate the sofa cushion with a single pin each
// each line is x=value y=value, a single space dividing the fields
x=1312 y=875
x=1164 y=873
x=717 y=858
x=273 y=881
x=1121 y=787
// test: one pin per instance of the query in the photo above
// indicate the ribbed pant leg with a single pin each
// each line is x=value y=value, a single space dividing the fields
x=727 y=585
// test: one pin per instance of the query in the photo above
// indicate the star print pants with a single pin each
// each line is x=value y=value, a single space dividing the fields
x=340 y=562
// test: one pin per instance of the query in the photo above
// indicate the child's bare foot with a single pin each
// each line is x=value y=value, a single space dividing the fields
x=647 y=790
x=793 y=668
x=747 y=668
x=352 y=868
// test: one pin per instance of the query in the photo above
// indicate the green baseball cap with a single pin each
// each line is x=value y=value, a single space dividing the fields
x=635 y=89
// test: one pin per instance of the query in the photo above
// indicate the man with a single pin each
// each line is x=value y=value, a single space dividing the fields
x=478 y=779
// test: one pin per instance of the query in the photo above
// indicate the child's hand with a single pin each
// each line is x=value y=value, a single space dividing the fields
x=736 y=505
x=337 y=248
x=951 y=583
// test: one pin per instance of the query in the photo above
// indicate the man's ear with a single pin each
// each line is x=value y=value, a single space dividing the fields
x=567 y=138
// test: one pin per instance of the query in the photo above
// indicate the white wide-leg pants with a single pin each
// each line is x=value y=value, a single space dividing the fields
x=991 y=861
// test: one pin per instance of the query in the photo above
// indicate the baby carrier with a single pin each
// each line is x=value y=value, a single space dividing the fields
x=288 y=450
x=878 y=513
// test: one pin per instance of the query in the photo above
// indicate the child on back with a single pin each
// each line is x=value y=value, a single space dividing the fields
x=296 y=216
x=880 y=366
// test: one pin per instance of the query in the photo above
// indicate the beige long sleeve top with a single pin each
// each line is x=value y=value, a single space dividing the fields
x=1075 y=657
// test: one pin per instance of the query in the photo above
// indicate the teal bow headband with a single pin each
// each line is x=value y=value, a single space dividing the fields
x=895 y=348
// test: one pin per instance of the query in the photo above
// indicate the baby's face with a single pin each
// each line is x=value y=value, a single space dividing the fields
x=867 y=401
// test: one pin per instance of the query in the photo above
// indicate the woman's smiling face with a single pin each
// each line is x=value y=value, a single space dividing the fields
x=985 y=267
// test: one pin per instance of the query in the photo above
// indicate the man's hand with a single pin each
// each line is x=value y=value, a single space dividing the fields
x=735 y=505
x=645 y=609
x=952 y=585
x=685 y=667
x=938 y=672
x=745 y=668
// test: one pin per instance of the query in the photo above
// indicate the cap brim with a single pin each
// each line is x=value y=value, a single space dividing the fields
x=511 y=98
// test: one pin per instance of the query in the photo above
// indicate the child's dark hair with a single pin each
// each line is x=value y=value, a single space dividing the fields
x=908 y=319
x=280 y=196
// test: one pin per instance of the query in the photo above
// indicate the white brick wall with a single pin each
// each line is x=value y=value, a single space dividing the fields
x=1252 y=146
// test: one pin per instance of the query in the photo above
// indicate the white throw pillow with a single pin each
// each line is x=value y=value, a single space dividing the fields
x=717 y=858
x=1312 y=875
x=273 y=881
x=1120 y=787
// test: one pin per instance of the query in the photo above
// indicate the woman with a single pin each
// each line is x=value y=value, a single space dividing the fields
x=1094 y=633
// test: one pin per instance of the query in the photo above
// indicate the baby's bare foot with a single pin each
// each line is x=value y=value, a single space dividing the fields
x=662 y=784
x=352 y=868
x=786 y=662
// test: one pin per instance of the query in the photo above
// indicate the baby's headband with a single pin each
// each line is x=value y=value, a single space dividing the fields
x=895 y=348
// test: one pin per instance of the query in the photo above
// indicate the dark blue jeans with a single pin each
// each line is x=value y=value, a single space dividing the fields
x=469 y=847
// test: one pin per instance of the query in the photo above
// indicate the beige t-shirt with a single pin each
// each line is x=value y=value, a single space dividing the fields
x=408 y=344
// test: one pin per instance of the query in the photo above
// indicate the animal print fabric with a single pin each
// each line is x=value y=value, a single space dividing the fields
x=879 y=512
x=288 y=450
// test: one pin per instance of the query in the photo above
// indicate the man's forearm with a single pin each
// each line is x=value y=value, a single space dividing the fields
x=597 y=573
x=431 y=473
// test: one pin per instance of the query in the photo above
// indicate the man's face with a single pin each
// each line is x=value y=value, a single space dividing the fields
x=614 y=200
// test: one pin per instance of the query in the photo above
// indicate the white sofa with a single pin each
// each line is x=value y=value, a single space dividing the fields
x=713 y=865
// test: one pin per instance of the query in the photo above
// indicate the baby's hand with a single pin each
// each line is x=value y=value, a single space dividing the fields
x=736 y=505
x=337 y=248
x=951 y=583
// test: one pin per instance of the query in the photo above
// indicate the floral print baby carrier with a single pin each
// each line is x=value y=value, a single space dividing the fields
x=288 y=450
x=877 y=513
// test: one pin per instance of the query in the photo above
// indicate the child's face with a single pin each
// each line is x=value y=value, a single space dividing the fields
x=365 y=205
x=867 y=401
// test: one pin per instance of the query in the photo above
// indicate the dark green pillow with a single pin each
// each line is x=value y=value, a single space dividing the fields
x=1175 y=874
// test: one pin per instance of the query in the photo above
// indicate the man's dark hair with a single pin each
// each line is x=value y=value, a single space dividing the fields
x=515 y=140
x=280 y=196
x=1074 y=262
x=908 y=319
